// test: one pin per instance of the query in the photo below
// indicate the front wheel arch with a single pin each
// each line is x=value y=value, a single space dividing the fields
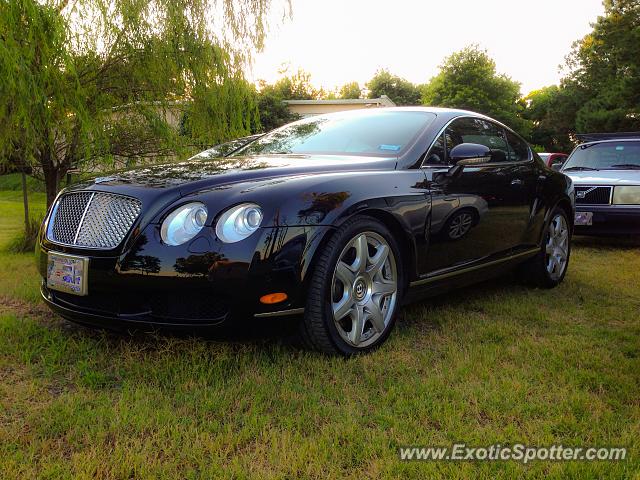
x=408 y=248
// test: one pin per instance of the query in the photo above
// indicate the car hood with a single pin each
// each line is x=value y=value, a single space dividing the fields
x=605 y=177
x=194 y=174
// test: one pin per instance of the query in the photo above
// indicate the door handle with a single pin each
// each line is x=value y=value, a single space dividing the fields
x=517 y=182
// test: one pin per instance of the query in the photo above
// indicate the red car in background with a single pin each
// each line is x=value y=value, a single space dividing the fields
x=554 y=160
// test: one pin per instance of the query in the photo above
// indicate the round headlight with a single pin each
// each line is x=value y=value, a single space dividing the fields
x=239 y=222
x=183 y=223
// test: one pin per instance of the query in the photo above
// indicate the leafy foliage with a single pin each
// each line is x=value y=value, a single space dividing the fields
x=468 y=80
x=552 y=111
x=293 y=87
x=399 y=90
x=272 y=110
x=80 y=76
x=606 y=70
x=350 y=90
x=601 y=92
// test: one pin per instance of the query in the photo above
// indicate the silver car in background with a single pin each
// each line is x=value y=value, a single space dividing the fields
x=605 y=170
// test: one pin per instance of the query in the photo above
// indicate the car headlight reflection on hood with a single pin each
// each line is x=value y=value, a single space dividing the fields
x=238 y=222
x=183 y=223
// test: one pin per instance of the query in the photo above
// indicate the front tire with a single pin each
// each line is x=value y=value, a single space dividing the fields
x=548 y=268
x=355 y=290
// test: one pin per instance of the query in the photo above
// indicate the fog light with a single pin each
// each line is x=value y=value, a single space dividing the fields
x=273 y=298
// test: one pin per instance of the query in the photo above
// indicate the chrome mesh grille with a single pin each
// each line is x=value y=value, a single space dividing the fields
x=68 y=215
x=93 y=219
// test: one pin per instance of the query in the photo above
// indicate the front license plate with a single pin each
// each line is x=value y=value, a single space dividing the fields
x=67 y=273
x=584 y=218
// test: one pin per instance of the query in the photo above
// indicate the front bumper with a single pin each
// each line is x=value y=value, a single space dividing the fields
x=200 y=284
x=610 y=220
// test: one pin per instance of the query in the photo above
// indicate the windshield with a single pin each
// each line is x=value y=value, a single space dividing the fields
x=224 y=149
x=605 y=156
x=378 y=133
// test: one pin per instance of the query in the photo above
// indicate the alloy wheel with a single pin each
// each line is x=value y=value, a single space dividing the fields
x=364 y=289
x=557 y=247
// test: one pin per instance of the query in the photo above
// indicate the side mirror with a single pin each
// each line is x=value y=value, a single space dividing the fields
x=556 y=166
x=470 y=154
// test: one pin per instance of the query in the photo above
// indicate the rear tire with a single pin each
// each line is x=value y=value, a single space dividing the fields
x=354 y=291
x=549 y=267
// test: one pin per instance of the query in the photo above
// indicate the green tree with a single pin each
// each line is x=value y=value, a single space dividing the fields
x=271 y=107
x=605 y=70
x=399 y=90
x=468 y=80
x=295 y=87
x=101 y=78
x=552 y=111
x=350 y=90
x=272 y=110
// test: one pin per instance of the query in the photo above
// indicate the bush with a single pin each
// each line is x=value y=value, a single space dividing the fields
x=26 y=241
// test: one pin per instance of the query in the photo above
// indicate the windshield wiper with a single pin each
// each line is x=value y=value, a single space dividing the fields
x=578 y=168
x=629 y=166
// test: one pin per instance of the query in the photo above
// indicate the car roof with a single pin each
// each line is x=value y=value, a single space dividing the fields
x=611 y=140
x=437 y=110
x=593 y=137
x=453 y=112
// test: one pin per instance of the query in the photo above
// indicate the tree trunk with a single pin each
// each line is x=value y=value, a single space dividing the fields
x=25 y=201
x=51 y=182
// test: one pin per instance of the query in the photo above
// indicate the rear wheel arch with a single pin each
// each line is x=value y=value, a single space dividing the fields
x=565 y=204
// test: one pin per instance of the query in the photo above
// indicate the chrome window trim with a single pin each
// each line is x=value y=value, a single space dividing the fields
x=519 y=162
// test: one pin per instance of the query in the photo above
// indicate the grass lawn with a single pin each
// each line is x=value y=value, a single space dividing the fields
x=496 y=363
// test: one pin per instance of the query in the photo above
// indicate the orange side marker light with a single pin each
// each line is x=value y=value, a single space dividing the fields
x=272 y=298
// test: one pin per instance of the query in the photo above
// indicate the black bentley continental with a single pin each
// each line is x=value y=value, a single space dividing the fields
x=337 y=220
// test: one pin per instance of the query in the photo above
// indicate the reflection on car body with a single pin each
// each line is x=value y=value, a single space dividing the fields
x=453 y=216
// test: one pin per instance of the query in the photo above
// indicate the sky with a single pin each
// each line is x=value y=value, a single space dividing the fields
x=338 y=41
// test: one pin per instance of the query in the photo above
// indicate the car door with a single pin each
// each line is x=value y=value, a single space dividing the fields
x=526 y=179
x=482 y=212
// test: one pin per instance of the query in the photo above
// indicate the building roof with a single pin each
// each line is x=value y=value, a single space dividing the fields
x=383 y=100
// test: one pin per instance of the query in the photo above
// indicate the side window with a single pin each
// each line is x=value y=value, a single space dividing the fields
x=476 y=130
x=518 y=149
x=435 y=156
